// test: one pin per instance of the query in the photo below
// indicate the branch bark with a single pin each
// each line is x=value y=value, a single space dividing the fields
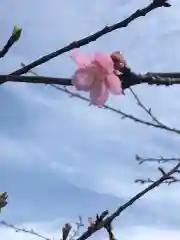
x=128 y=79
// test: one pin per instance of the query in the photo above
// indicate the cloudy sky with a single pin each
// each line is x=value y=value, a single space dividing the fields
x=60 y=158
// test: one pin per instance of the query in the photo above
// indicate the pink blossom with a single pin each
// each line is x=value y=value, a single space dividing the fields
x=91 y=221
x=96 y=74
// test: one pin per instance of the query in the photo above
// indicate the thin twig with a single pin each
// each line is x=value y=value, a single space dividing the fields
x=76 y=44
x=123 y=114
x=148 y=111
x=158 y=160
x=128 y=79
x=17 y=229
x=76 y=231
x=145 y=181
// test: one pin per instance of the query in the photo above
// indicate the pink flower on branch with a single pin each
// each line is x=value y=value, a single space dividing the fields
x=98 y=75
x=91 y=222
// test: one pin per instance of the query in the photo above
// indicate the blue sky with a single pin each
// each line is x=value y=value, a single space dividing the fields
x=60 y=158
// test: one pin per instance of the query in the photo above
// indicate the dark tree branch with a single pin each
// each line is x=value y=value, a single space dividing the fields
x=109 y=219
x=158 y=160
x=128 y=79
x=7 y=47
x=35 y=79
x=76 y=44
x=11 y=41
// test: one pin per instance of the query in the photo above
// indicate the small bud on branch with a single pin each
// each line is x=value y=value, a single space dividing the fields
x=16 y=34
x=3 y=200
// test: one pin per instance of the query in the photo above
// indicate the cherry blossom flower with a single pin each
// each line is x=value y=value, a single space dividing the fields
x=91 y=222
x=96 y=74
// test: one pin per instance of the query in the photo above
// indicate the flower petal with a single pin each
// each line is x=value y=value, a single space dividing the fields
x=83 y=79
x=105 y=61
x=114 y=84
x=82 y=59
x=99 y=93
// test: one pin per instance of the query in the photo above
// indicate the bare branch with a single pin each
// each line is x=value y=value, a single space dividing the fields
x=65 y=230
x=158 y=160
x=168 y=182
x=123 y=114
x=128 y=79
x=114 y=215
x=76 y=44
x=35 y=79
x=169 y=179
x=76 y=231
x=148 y=111
x=17 y=229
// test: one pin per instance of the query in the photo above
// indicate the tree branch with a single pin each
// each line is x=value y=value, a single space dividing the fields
x=11 y=41
x=128 y=79
x=17 y=229
x=109 y=219
x=76 y=44
x=35 y=79
x=158 y=160
x=169 y=182
x=148 y=111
